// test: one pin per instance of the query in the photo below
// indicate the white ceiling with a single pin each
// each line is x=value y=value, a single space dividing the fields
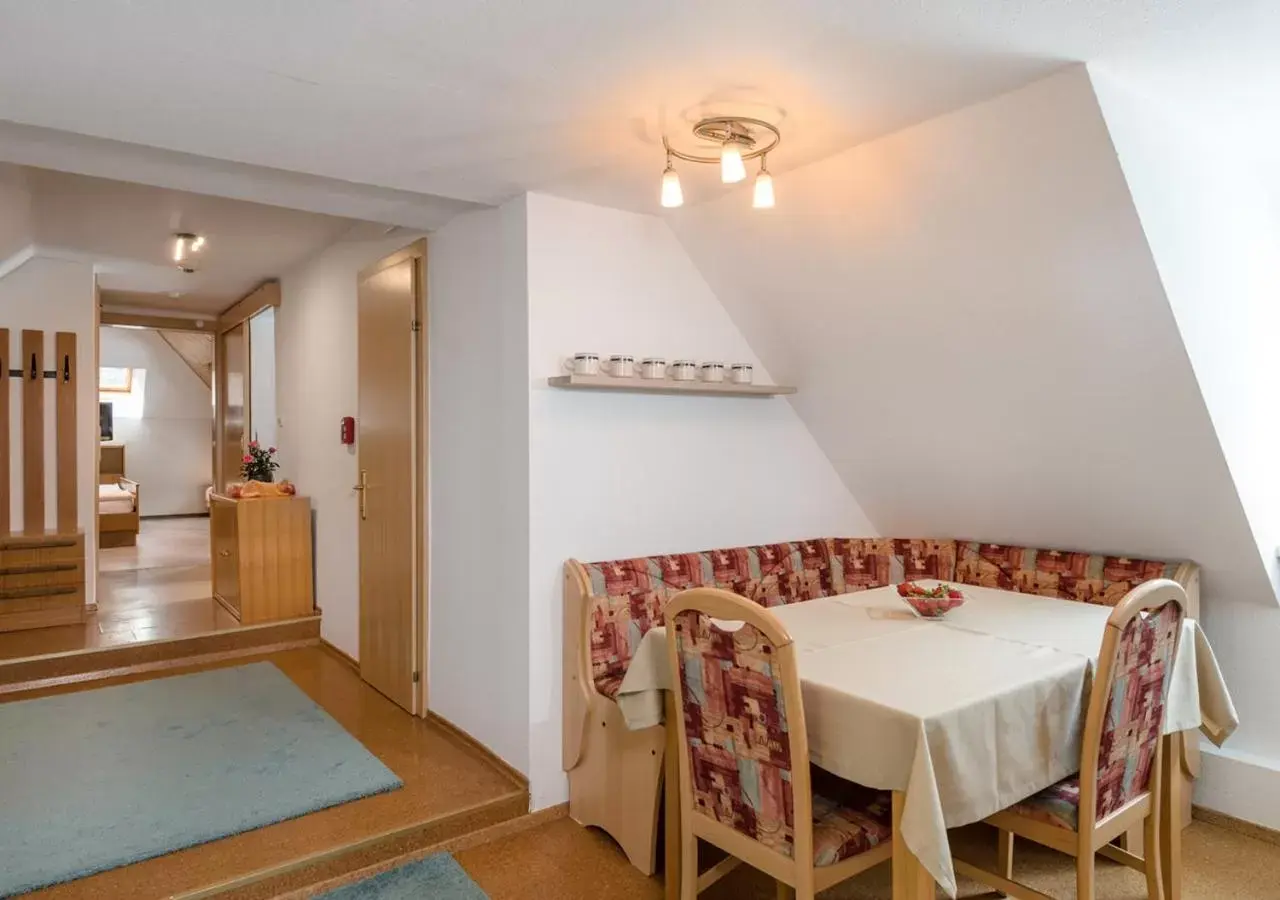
x=482 y=100
x=125 y=230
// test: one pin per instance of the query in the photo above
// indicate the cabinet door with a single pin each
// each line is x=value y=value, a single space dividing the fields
x=226 y=553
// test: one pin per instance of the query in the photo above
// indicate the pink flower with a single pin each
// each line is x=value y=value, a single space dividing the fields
x=271 y=449
x=253 y=444
x=247 y=458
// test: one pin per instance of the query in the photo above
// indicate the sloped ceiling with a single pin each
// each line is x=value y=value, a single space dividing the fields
x=981 y=338
x=195 y=349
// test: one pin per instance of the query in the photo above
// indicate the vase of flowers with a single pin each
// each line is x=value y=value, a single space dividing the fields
x=258 y=468
x=259 y=464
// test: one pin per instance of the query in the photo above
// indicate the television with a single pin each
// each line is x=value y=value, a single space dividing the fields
x=106 y=422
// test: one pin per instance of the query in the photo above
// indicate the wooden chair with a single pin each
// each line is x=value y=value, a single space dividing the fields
x=1120 y=758
x=745 y=782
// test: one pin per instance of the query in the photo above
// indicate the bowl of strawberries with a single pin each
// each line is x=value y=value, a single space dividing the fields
x=930 y=603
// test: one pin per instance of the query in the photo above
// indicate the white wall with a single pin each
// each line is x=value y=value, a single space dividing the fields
x=981 y=339
x=262 y=376
x=477 y=325
x=55 y=295
x=168 y=428
x=15 y=211
x=316 y=387
x=617 y=475
x=1215 y=238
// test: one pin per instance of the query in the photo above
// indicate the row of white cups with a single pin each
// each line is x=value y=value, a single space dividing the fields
x=652 y=367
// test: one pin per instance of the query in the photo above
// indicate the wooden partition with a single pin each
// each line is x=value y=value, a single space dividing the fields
x=41 y=569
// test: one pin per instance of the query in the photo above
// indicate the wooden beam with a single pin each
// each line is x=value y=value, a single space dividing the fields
x=6 y=476
x=65 y=394
x=266 y=294
x=32 y=365
x=159 y=320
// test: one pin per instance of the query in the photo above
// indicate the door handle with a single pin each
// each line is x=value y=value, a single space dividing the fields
x=363 y=488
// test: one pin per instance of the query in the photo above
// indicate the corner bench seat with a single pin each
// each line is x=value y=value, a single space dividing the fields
x=611 y=605
x=627 y=596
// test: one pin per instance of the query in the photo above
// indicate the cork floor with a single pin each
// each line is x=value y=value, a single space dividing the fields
x=160 y=588
x=568 y=862
x=445 y=779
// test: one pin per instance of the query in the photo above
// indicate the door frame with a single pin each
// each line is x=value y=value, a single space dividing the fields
x=416 y=251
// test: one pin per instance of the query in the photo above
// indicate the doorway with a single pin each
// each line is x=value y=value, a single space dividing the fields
x=155 y=386
x=391 y=449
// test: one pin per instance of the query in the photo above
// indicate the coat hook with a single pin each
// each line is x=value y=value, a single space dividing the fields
x=35 y=369
x=66 y=367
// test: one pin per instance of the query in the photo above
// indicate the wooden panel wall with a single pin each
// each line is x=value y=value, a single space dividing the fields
x=6 y=360
x=65 y=360
x=33 y=432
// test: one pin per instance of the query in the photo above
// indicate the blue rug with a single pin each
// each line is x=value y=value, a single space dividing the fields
x=438 y=877
x=101 y=778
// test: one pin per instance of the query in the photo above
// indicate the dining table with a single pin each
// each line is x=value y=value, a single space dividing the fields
x=959 y=717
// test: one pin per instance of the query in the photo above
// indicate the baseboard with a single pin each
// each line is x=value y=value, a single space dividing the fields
x=341 y=655
x=1240 y=785
x=497 y=832
x=1239 y=826
x=518 y=778
x=195 y=515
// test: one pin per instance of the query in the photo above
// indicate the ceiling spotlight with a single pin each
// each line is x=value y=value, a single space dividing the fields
x=184 y=243
x=763 y=198
x=672 y=196
x=737 y=139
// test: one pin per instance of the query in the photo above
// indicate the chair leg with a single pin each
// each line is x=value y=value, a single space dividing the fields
x=688 y=864
x=1151 y=838
x=785 y=891
x=1085 y=884
x=804 y=883
x=1004 y=854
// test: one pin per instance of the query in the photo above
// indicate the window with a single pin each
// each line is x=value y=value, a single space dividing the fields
x=115 y=381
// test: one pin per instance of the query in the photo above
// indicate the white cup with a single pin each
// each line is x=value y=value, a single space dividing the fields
x=583 y=364
x=683 y=370
x=620 y=366
x=713 y=372
x=653 y=367
x=740 y=373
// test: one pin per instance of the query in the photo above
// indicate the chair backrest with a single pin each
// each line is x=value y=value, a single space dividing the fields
x=745 y=763
x=1120 y=756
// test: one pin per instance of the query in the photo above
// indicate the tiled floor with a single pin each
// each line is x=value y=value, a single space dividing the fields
x=159 y=589
x=444 y=779
x=568 y=862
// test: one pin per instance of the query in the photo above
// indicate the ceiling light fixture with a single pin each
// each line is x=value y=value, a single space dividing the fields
x=672 y=195
x=738 y=139
x=185 y=243
x=763 y=198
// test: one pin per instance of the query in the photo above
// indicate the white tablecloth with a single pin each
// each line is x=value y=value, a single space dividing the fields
x=966 y=715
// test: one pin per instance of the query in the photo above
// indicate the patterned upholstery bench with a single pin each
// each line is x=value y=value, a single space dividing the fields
x=615 y=774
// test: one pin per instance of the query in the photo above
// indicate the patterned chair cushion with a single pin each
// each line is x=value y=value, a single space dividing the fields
x=1087 y=577
x=736 y=729
x=859 y=821
x=1057 y=805
x=1135 y=708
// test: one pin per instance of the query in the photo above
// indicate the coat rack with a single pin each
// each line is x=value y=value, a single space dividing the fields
x=34 y=376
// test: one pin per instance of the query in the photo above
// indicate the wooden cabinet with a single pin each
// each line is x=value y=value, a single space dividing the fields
x=41 y=580
x=261 y=551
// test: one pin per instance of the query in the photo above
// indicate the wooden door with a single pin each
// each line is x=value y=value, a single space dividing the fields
x=390 y=472
x=234 y=381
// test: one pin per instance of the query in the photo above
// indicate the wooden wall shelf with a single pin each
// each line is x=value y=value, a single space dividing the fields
x=667 y=386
